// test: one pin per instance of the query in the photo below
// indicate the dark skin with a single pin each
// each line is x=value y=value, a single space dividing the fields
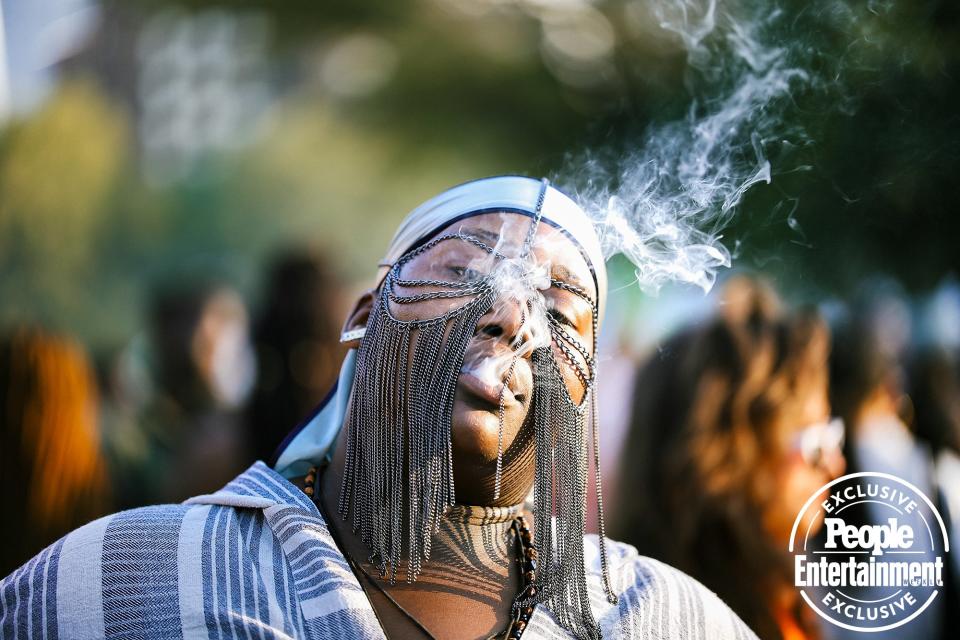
x=467 y=587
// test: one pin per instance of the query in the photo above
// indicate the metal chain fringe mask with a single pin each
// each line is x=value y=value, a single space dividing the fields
x=398 y=474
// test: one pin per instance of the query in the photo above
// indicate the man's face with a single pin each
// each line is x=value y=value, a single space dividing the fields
x=497 y=374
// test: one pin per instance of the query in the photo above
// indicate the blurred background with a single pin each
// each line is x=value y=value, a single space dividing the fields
x=191 y=194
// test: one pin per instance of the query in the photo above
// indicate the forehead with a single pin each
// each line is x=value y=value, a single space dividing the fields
x=507 y=231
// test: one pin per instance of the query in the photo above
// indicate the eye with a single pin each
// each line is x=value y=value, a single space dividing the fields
x=560 y=317
x=464 y=273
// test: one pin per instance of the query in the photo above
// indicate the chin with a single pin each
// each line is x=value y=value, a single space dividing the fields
x=473 y=433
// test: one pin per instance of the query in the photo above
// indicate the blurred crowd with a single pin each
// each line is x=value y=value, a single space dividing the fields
x=740 y=416
x=178 y=412
x=720 y=431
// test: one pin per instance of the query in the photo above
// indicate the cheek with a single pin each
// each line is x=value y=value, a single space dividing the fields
x=569 y=363
x=795 y=482
x=574 y=387
x=426 y=309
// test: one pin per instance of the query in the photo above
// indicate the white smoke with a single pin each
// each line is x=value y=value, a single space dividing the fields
x=665 y=204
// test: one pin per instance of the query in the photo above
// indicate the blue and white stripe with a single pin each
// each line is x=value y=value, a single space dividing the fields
x=256 y=561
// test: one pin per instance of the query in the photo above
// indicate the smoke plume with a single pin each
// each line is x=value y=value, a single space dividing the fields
x=665 y=204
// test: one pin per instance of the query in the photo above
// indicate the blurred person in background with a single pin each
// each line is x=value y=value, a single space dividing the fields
x=935 y=391
x=188 y=431
x=935 y=394
x=298 y=351
x=934 y=387
x=731 y=434
x=867 y=386
x=868 y=389
x=52 y=471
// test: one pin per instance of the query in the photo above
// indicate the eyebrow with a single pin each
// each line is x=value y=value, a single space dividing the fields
x=488 y=237
x=561 y=274
x=564 y=274
x=558 y=271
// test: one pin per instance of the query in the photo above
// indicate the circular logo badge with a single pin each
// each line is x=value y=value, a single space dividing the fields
x=868 y=551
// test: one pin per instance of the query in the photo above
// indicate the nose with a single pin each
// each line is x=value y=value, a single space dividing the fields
x=507 y=321
x=834 y=463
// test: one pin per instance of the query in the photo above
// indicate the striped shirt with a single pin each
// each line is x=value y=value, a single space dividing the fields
x=256 y=560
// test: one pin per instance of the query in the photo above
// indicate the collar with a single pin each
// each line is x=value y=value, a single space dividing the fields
x=259 y=487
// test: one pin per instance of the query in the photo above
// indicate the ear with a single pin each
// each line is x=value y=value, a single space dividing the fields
x=359 y=316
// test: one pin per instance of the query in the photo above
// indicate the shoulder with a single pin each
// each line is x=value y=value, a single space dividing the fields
x=144 y=530
x=133 y=527
x=122 y=571
x=98 y=568
x=655 y=599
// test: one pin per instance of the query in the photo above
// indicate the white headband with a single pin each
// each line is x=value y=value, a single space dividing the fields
x=500 y=193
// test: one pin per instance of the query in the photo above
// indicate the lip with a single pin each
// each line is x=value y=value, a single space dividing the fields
x=486 y=392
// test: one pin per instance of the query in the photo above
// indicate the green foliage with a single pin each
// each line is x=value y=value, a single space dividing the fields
x=83 y=235
x=58 y=171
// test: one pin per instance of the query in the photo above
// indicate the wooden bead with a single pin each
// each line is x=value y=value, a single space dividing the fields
x=531 y=591
x=530 y=576
x=309 y=480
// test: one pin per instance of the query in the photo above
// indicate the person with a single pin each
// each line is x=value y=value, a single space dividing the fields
x=298 y=352
x=400 y=508
x=52 y=470
x=934 y=385
x=185 y=436
x=731 y=433
x=868 y=387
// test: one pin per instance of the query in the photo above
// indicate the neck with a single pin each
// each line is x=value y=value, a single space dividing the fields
x=474 y=544
x=472 y=569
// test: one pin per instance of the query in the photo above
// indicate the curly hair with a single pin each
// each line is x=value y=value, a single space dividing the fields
x=712 y=417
